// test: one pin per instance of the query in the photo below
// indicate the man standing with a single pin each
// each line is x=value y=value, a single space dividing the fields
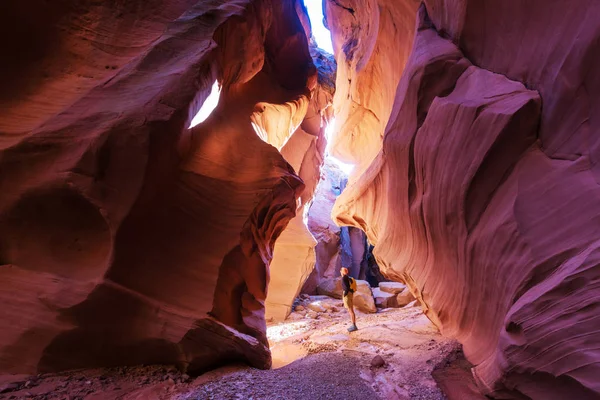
x=349 y=286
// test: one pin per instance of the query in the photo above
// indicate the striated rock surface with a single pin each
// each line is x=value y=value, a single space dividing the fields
x=482 y=201
x=336 y=247
x=371 y=41
x=294 y=255
x=126 y=238
x=325 y=231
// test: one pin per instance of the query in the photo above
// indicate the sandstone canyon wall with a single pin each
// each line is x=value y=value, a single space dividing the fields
x=372 y=41
x=294 y=253
x=483 y=194
x=126 y=238
x=336 y=246
x=324 y=230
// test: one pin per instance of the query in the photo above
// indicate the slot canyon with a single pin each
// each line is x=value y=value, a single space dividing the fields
x=445 y=151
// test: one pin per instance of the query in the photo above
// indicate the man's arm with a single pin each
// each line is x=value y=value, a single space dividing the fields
x=346 y=284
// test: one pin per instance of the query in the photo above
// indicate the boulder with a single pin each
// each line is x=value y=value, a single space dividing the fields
x=296 y=316
x=316 y=306
x=384 y=299
x=377 y=362
x=404 y=298
x=331 y=288
x=312 y=315
x=365 y=302
x=392 y=287
x=363 y=298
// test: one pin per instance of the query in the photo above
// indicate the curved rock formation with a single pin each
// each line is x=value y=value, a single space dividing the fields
x=126 y=238
x=372 y=41
x=336 y=247
x=482 y=201
x=325 y=231
x=294 y=254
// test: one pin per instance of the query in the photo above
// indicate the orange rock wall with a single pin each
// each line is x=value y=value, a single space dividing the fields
x=126 y=238
x=294 y=254
x=483 y=196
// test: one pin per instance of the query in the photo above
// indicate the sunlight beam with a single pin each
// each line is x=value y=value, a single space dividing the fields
x=329 y=129
x=208 y=106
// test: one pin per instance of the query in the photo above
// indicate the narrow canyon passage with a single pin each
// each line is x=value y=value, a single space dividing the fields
x=182 y=181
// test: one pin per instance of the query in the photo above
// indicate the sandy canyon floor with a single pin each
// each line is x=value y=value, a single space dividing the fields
x=394 y=355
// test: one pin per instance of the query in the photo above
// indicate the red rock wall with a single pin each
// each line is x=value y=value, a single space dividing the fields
x=303 y=148
x=126 y=238
x=372 y=41
x=484 y=195
x=336 y=248
x=294 y=253
x=325 y=231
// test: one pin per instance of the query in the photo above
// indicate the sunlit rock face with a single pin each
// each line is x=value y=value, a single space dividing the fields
x=484 y=202
x=371 y=41
x=336 y=246
x=126 y=238
x=294 y=254
x=325 y=231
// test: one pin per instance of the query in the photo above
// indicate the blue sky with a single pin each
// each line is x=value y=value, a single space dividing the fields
x=321 y=34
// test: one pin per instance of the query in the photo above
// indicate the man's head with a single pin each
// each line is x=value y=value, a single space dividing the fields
x=344 y=271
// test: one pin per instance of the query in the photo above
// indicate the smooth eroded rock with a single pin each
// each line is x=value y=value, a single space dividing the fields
x=391 y=287
x=404 y=298
x=294 y=255
x=484 y=202
x=363 y=297
x=377 y=362
x=126 y=237
x=384 y=299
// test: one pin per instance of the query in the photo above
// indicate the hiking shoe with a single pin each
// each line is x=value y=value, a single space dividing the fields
x=352 y=328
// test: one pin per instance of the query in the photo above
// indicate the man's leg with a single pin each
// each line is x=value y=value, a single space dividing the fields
x=350 y=303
